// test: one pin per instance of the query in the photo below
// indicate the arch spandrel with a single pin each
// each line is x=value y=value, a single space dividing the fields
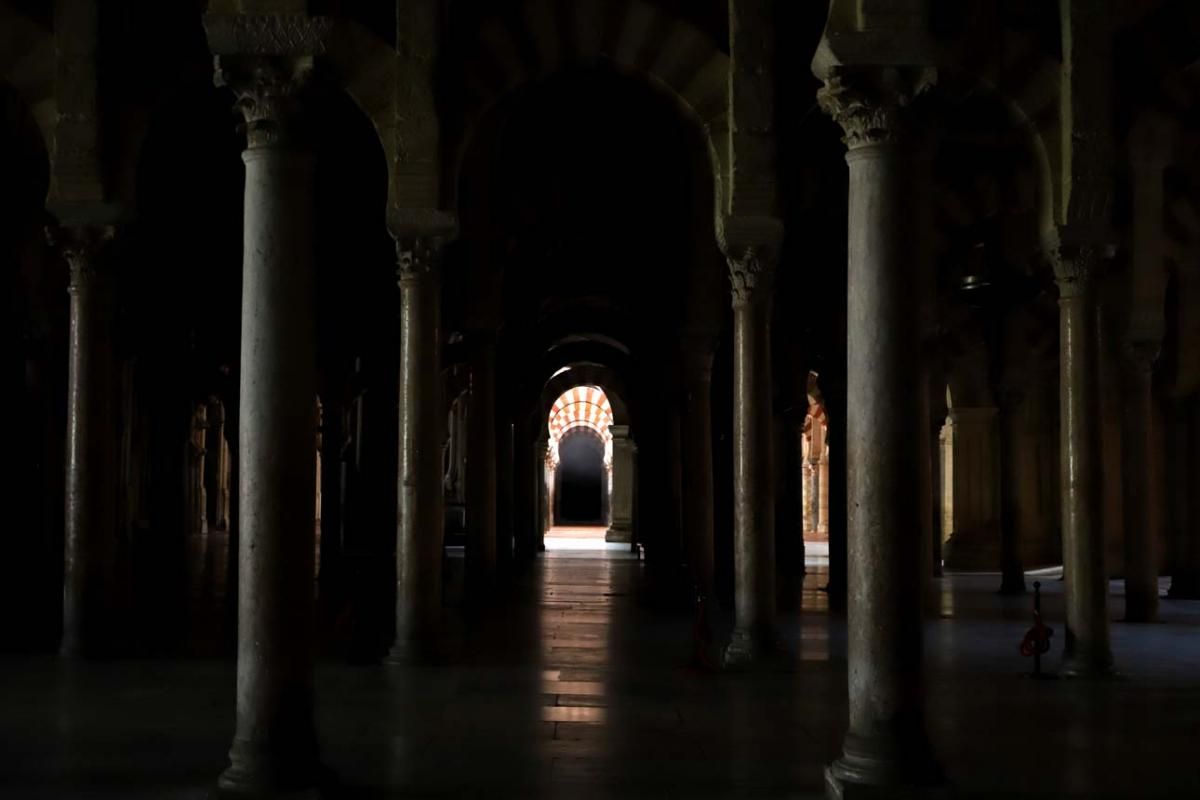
x=636 y=38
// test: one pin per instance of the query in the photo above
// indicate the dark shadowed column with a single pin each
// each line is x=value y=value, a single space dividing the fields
x=422 y=430
x=481 y=471
x=1012 y=570
x=89 y=546
x=1142 y=516
x=886 y=747
x=1087 y=650
x=274 y=748
x=697 y=465
x=1183 y=488
x=751 y=262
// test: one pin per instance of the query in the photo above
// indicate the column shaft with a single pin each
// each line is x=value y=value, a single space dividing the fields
x=1142 y=518
x=698 y=471
x=1087 y=649
x=89 y=547
x=753 y=479
x=1183 y=479
x=274 y=748
x=1012 y=570
x=422 y=424
x=620 y=527
x=886 y=744
x=481 y=472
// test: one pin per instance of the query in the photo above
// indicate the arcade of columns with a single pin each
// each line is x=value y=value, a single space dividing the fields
x=876 y=104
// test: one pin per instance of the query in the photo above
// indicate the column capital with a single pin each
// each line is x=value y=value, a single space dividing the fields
x=751 y=245
x=269 y=91
x=1076 y=264
x=417 y=256
x=870 y=103
x=81 y=245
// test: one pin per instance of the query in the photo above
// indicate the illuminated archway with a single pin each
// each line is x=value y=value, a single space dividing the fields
x=579 y=464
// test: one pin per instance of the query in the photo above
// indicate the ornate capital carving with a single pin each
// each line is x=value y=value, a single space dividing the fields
x=417 y=256
x=751 y=269
x=870 y=103
x=267 y=34
x=269 y=92
x=1076 y=266
x=81 y=246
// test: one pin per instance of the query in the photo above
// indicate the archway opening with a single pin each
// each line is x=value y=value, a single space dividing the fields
x=582 y=479
x=579 y=474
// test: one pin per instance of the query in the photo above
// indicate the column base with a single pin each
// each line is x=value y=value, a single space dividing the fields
x=253 y=774
x=1085 y=669
x=415 y=653
x=619 y=533
x=900 y=768
x=748 y=650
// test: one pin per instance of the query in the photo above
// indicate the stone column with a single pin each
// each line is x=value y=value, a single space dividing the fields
x=620 y=527
x=812 y=477
x=1142 y=511
x=698 y=467
x=420 y=517
x=1087 y=650
x=821 y=488
x=89 y=545
x=481 y=471
x=750 y=271
x=274 y=748
x=886 y=747
x=543 y=506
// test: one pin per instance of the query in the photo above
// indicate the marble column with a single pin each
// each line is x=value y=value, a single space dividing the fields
x=1142 y=509
x=481 y=471
x=750 y=270
x=886 y=749
x=698 y=467
x=274 y=748
x=624 y=465
x=1087 y=651
x=812 y=477
x=420 y=517
x=89 y=546
x=543 y=506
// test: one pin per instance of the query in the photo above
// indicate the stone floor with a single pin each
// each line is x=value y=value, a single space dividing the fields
x=578 y=689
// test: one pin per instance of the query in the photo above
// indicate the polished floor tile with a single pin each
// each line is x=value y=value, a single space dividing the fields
x=578 y=689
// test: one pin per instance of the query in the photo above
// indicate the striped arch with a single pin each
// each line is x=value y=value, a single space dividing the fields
x=547 y=36
x=580 y=407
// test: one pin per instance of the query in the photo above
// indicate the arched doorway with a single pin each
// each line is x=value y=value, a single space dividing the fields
x=585 y=488
x=582 y=479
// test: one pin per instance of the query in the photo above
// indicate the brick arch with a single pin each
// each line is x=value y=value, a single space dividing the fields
x=583 y=407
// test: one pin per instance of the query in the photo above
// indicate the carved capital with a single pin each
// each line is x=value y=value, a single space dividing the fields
x=1076 y=266
x=871 y=103
x=751 y=269
x=269 y=92
x=81 y=246
x=417 y=256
